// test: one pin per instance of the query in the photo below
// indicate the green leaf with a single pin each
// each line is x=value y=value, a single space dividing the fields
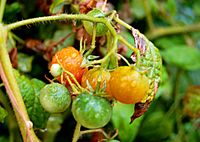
x=24 y=62
x=137 y=9
x=37 y=113
x=121 y=118
x=155 y=127
x=4 y=139
x=57 y=5
x=3 y=114
x=129 y=37
x=62 y=33
x=182 y=56
x=169 y=42
x=30 y=93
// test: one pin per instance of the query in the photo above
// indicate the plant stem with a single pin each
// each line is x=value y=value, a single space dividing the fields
x=10 y=83
x=159 y=32
x=135 y=50
x=77 y=132
x=93 y=40
x=12 y=125
x=122 y=23
x=2 y=7
x=147 y=10
x=61 y=17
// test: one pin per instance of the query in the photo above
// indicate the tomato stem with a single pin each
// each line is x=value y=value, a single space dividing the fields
x=135 y=50
x=62 y=17
x=93 y=40
x=10 y=83
x=2 y=7
x=76 y=132
x=125 y=60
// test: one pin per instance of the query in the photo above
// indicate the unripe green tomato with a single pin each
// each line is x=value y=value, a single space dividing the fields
x=101 y=28
x=91 y=111
x=55 y=98
x=55 y=70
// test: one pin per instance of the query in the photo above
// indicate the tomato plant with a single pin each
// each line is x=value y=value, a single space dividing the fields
x=91 y=111
x=91 y=53
x=128 y=85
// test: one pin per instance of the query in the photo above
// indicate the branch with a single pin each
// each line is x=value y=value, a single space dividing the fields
x=147 y=10
x=61 y=17
x=156 y=33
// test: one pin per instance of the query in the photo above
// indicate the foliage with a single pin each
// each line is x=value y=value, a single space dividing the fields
x=173 y=26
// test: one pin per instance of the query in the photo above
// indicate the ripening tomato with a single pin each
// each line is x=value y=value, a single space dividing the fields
x=101 y=28
x=95 y=74
x=68 y=59
x=128 y=85
x=91 y=111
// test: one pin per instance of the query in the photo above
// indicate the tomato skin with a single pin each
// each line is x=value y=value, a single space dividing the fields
x=70 y=59
x=128 y=85
x=55 y=98
x=93 y=75
x=91 y=111
x=101 y=28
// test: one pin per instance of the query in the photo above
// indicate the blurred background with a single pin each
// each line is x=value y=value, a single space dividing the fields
x=172 y=25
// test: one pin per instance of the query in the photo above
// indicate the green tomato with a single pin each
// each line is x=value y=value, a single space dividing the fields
x=91 y=111
x=55 y=98
x=101 y=28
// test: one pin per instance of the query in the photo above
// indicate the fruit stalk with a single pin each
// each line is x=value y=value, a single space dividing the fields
x=8 y=78
x=76 y=132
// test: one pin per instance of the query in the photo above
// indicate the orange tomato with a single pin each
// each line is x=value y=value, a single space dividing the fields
x=128 y=85
x=70 y=60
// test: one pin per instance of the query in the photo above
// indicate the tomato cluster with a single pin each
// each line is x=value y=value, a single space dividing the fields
x=94 y=88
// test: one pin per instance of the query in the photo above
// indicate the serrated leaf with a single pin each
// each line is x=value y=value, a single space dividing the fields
x=24 y=62
x=121 y=118
x=182 y=56
x=30 y=93
x=3 y=114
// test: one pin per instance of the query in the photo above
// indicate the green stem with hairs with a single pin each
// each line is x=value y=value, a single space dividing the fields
x=61 y=17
